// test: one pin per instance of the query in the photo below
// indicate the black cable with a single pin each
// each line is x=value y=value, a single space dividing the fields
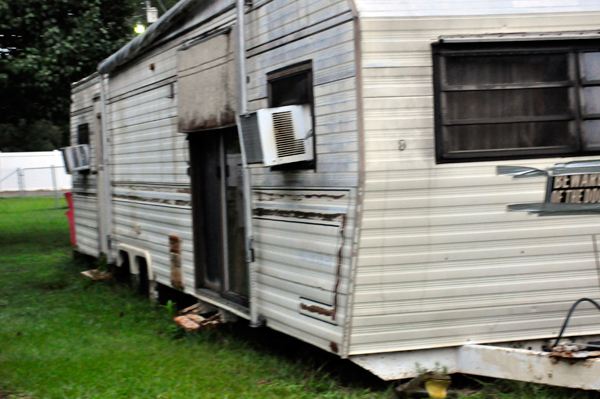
x=569 y=316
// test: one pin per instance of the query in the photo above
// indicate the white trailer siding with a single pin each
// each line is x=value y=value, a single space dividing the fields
x=148 y=161
x=297 y=259
x=441 y=261
x=149 y=157
x=85 y=193
x=491 y=8
x=148 y=226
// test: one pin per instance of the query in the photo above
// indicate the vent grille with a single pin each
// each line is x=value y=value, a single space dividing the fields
x=251 y=138
x=285 y=138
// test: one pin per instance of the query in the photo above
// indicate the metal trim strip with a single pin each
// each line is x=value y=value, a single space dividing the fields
x=516 y=37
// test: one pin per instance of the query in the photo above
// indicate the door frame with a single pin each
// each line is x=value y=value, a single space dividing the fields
x=197 y=150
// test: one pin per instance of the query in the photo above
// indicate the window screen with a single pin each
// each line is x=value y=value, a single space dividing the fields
x=516 y=102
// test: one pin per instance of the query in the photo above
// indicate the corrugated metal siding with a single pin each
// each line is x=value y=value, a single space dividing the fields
x=441 y=261
x=149 y=156
x=85 y=200
x=278 y=19
x=146 y=146
x=332 y=53
x=86 y=224
x=299 y=241
x=298 y=258
x=411 y=8
x=148 y=226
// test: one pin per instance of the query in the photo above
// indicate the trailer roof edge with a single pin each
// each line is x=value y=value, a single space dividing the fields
x=134 y=47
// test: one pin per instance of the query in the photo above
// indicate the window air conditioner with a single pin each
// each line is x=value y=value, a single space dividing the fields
x=76 y=158
x=285 y=135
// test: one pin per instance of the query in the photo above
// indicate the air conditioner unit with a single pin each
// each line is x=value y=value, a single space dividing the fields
x=285 y=135
x=76 y=158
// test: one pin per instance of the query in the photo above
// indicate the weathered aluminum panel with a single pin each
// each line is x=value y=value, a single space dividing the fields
x=441 y=261
x=486 y=360
x=297 y=237
x=277 y=19
x=206 y=75
x=151 y=193
x=408 y=8
x=303 y=256
x=336 y=127
x=85 y=201
x=86 y=224
x=160 y=63
x=146 y=146
x=147 y=221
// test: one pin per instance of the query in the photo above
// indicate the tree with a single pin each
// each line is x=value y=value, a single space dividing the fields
x=45 y=45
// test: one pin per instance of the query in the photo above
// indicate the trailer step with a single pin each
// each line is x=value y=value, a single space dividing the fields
x=203 y=316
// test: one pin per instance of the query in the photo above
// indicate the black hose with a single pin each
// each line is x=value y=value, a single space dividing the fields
x=562 y=330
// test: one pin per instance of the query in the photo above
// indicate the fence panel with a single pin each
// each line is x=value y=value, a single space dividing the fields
x=33 y=171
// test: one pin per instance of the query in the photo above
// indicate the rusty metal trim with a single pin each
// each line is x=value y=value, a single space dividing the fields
x=284 y=213
x=338 y=273
x=317 y=310
x=175 y=262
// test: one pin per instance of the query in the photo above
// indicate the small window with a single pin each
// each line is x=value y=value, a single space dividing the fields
x=83 y=134
x=293 y=85
x=526 y=100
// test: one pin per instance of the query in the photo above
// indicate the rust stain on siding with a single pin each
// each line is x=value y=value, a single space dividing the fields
x=266 y=196
x=174 y=244
x=338 y=273
x=317 y=309
x=175 y=261
x=327 y=217
x=153 y=200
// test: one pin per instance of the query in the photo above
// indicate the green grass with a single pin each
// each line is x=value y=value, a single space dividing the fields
x=62 y=336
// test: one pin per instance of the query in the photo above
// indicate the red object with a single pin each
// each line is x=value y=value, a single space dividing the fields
x=71 y=216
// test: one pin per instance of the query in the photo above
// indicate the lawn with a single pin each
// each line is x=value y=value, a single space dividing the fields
x=62 y=336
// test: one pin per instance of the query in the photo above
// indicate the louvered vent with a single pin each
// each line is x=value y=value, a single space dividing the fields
x=285 y=137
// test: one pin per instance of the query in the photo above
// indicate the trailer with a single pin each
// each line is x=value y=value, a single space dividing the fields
x=409 y=185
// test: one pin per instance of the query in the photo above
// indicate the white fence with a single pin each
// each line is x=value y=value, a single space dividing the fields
x=33 y=171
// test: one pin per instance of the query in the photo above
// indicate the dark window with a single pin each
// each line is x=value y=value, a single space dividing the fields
x=526 y=100
x=83 y=134
x=291 y=85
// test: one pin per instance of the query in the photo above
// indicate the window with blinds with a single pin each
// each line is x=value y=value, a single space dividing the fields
x=516 y=102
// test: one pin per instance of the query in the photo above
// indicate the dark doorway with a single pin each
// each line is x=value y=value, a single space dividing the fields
x=218 y=213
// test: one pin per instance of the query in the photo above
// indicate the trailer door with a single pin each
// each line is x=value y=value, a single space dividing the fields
x=218 y=214
x=205 y=108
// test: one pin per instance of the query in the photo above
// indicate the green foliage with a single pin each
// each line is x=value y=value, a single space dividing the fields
x=170 y=307
x=40 y=135
x=45 y=46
